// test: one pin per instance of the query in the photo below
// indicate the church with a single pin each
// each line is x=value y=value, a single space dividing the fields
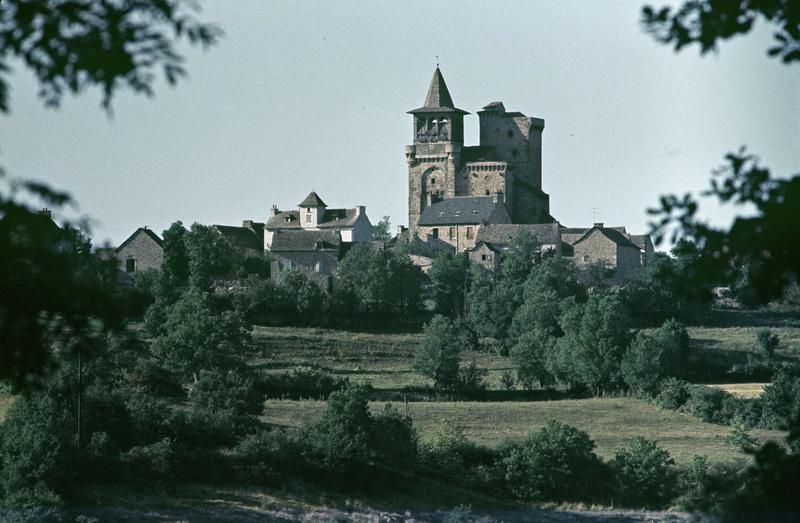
x=475 y=198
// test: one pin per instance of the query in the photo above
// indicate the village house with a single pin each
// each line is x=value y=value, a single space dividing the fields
x=313 y=238
x=142 y=250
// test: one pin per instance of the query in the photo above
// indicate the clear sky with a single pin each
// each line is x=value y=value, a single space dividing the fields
x=313 y=95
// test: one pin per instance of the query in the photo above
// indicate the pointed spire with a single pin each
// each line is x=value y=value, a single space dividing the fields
x=438 y=99
x=438 y=95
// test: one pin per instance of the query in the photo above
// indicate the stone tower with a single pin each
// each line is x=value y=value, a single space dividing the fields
x=434 y=158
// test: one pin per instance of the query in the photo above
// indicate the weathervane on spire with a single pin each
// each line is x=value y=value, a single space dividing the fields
x=437 y=61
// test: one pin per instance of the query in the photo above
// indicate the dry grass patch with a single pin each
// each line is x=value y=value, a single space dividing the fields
x=742 y=390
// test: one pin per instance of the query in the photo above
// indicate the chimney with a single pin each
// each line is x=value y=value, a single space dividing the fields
x=361 y=209
x=498 y=197
x=46 y=212
x=274 y=210
x=400 y=230
x=598 y=225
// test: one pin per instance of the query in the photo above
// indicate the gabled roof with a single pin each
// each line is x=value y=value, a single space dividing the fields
x=570 y=235
x=332 y=219
x=640 y=240
x=312 y=200
x=501 y=234
x=305 y=241
x=141 y=230
x=464 y=210
x=492 y=247
x=438 y=99
x=241 y=236
x=612 y=234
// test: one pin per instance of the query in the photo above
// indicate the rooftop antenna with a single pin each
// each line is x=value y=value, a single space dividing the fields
x=594 y=214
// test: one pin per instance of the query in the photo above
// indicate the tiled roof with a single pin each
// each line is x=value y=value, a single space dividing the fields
x=303 y=240
x=332 y=219
x=464 y=210
x=241 y=236
x=312 y=200
x=612 y=234
x=153 y=236
x=640 y=240
x=501 y=234
x=438 y=99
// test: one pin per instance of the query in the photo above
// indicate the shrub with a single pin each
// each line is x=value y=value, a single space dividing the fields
x=470 y=380
x=641 y=365
x=508 y=380
x=556 y=462
x=739 y=437
x=449 y=449
x=393 y=435
x=644 y=473
x=768 y=342
x=268 y=455
x=673 y=393
x=37 y=451
x=301 y=384
x=707 y=404
x=780 y=401
x=154 y=462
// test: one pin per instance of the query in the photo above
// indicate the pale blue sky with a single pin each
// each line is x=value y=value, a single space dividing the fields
x=313 y=95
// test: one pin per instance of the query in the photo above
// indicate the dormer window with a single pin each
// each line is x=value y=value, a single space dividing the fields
x=308 y=209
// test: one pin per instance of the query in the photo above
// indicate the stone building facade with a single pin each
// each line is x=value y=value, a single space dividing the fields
x=507 y=161
x=476 y=198
x=313 y=238
x=142 y=250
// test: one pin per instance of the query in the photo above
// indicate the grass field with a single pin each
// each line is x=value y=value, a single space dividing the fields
x=611 y=422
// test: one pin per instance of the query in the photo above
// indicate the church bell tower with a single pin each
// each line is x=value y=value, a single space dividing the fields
x=434 y=158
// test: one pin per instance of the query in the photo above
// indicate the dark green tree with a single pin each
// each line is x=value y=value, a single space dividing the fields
x=645 y=474
x=175 y=268
x=449 y=274
x=437 y=356
x=381 y=230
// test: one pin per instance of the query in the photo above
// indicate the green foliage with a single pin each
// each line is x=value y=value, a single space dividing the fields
x=269 y=455
x=653 y=357
x=437 y=356
x=470 y=380
x=740 y=437
x=768 y=343
x=644 y=473
x=382 y=230
x=449 y=449
x=37 y=451
x=302 y=384
x=299 y=296
x=175 y=267
x=519 y=258
x=109 y=45
x=393 y=435
x=529 y=356
x=780 y=401
x=153 y=462
x=594 y=342
x=339 y=441
x=449 y=274
x=704 y=22
x=230 y=395
x=490 y=305
x=373 y=282
x=194 y=337
x=707 y=403
x=554 y=463
x=673 y=393
x=210 y=256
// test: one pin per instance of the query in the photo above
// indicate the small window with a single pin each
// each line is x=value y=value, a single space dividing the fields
x=483 y=257
x=308 y=209
x=318 y=267
x=469 y=233
x=585 y=258
x=308 y=218
x=487 y=192
x=433 y=181
x=435 y=232
x=452 y=233
x=130 y=265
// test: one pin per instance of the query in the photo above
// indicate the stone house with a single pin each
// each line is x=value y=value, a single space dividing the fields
x=605 y=246
x=486 y=255
x=493 y=239
x=313 y=238
x=142 y=250
x=457 y=221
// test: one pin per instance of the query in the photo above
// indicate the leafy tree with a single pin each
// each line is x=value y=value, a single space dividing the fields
x=673 y=339
x=304 y=296
x=448 y=449
x=520 y=257
x=555 y=463
x=490 y=305
x=195 y=337
x=651 y=357
x=175 y=267
x=780 y=401
x=529 y=355
x=69 y=46
x=594 y=342
x=437 y=356
x=449 y=274
x=704 y=22
x=210 y=256
x=229 y=396
x=768 y=342
x=644 y=473
x=105 y=44
x=381 y=230
x=393 y=435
